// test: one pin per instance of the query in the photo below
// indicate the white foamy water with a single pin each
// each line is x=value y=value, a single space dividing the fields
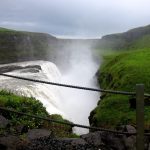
x=79 y=103
x=47 y=94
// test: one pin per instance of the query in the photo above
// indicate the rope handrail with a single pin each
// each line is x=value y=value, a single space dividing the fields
x=73 y=86
x=68 y=123
x=76 y=87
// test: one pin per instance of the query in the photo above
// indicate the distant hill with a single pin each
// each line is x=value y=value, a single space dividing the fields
x=4 y=29
x=134 y=38
x=19 y=46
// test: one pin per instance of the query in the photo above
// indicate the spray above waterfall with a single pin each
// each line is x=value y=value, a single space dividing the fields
x=80 y=70
x=78 y=104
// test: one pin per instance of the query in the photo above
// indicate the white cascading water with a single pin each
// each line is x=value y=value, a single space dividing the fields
x=79 y=103
x=73 y=104
x=47 y=94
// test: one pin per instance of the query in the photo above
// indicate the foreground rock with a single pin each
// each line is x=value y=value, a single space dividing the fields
x=3 y=122
x=38 y=133
x=42 y=139
x=9 y=142
x=58 y=144
x=91 y=141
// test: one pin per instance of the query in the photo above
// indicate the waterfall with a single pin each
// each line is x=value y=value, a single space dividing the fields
x=72 y=104
x=42 y=70
x=79 y=103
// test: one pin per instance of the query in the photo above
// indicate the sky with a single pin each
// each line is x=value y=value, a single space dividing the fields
x=74 y=18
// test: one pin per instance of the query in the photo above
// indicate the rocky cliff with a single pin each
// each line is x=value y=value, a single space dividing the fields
x=20 y=46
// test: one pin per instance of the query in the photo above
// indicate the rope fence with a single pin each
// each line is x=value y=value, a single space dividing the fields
x=73 y=86
x=66 y=123
x=139 y=109
x=70 y=124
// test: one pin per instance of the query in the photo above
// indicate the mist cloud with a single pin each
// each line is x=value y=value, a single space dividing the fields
x=85 y=18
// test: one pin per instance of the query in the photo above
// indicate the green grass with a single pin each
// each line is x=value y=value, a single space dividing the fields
x=113 y=111
x=33 y=107
x=25 y=105
x=122 y=72
x=5 y=30
x=21 y=45
x=141 y=43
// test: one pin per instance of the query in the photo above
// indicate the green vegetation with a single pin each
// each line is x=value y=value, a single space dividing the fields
x=128 y=67
x=19 y=45
x=22 y=104
x=5 y=30
x=142 y=43
x=121 y=72
x=126 y=63
x=132 y=39
x=61 y=130
x=113 y=111
x=33 y=107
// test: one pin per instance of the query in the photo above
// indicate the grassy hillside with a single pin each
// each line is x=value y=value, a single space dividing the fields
x=122 y=72
x=143 y=42
x=130 y=66
x=126 y=63
x=33 y=107
x=126 y=40
x=20 y=46
x=5 y=30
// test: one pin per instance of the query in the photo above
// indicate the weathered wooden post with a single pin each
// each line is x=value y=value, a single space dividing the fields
x=140 y=116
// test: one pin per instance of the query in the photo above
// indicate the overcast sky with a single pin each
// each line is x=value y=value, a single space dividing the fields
x=74 y=18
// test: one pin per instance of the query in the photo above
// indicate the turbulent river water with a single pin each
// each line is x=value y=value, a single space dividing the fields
x=73 y=104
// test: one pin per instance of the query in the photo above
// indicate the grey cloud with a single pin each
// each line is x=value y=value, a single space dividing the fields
x=74 y=17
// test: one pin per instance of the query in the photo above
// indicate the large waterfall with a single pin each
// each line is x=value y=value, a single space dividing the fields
x=41 y=70
x=73 y=104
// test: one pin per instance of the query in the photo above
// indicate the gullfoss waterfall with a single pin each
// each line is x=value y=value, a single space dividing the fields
x=72 y=104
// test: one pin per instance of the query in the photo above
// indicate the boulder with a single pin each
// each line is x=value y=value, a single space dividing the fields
x=3 y=122
x=130 y=143
x=129 y=129
x=126 y=128
x=21 y=129
x=38 y=133
x=78 y=141
x=113 y=141
x=93 y=138
x=8 y=142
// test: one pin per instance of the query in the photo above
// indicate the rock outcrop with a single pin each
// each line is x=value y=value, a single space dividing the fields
x=29 y=68
x=91 y=141
x=37 y=139
x=3 y=122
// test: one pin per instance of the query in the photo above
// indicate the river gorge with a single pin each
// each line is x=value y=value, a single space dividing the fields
x=74 y=105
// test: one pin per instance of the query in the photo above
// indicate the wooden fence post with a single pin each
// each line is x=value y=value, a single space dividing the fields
x=140 y=116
